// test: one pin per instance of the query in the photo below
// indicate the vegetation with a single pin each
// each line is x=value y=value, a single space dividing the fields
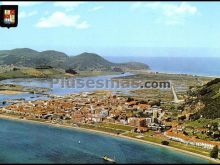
x=209 y=96
x=165 y=142
x=130 y=99
x=20 y=88
x=211 y=99
x=105 y=129
x=202 y=106
x=71 y=71
x=95 y=73
x=174 y=144
x=164 y=77
x=116 y=126
x=85 y=61
x=182 y=81
x=214 y=152
x=88 y=61
x=133 y=66
x=158 y=140
x=201 y=122
x=27 y=72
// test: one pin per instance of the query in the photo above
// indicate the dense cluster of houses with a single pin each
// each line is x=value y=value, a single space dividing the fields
x=105 y=107
x=91 y=108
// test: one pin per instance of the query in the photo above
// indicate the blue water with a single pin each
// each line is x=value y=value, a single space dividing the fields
x=206 y=66
x=57 y=88
x=23 y=142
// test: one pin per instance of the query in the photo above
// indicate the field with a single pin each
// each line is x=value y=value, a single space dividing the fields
x=115 y=126
x=95 y=73
x=181 y=83
x=31 y=73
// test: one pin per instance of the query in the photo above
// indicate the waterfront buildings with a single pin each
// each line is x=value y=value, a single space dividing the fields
x=90 y=108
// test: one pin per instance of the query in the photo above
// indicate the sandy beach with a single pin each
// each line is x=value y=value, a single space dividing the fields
x=217 y=161
x=9 y=92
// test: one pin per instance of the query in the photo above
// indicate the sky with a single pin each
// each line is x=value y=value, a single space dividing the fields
x=117 y=28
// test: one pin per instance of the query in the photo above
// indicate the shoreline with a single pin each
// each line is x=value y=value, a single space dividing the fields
x=82 y=75
x=11 y=92
x=188 y=74
x=180 y=73
x=109 y=134
x=116 y=74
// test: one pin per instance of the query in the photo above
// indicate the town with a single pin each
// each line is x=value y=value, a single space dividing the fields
x=92 y=108
x=106 y=107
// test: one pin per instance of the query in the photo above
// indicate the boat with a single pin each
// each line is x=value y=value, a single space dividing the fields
x=106 y=158
x=79 y=141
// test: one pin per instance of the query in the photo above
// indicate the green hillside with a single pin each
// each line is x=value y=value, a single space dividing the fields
x=133 y=66
x=83 y=62
x=88 y=61
x=32 y=73
x=205 y=101
x=30 y=58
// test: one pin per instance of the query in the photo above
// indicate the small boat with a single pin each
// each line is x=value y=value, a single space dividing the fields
x=79 y=142
x=106 y=158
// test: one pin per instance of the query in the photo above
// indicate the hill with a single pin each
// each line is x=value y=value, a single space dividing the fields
x=204 y=101
x=83 y=62
x=31 y=58
x=88 y=61
x=133 y=66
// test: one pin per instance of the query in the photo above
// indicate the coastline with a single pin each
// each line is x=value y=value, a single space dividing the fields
x=109 y=134
x=189 y=74
x=11 y=92
x=180 y=73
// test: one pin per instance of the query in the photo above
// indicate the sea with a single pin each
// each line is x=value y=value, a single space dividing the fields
x=203 y=66
x=25 y=142
x=22 y=142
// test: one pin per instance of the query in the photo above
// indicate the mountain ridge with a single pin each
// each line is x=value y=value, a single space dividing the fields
x=85 y=61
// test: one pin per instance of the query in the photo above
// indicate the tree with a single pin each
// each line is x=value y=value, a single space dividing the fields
x=214 y=126
x=71 y=71
x=214 y=152
x=165 y=142
x=143 y=102
x=130 y=99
